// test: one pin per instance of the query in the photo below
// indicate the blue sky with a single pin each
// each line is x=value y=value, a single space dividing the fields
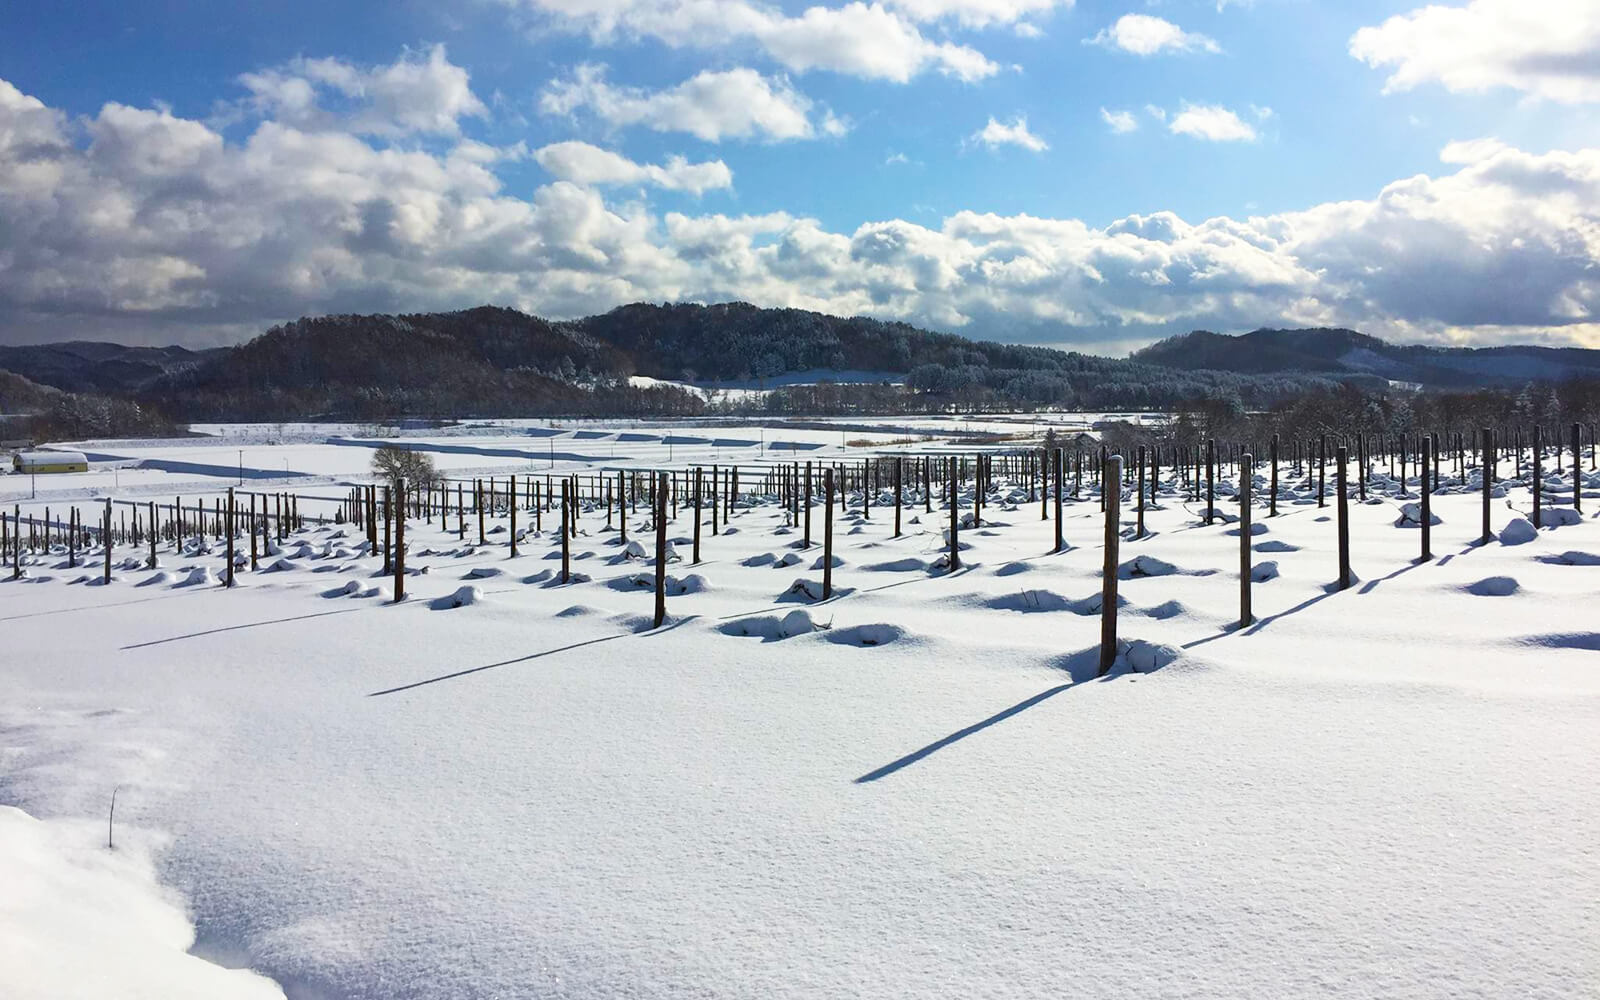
x=1015 y=169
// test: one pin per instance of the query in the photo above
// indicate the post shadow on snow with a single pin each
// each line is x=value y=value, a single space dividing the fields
x=535 y=656
x=235 y=628
x=87 y=607
x=1082 y=667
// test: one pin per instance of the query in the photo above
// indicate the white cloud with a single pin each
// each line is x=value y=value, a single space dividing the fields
x=1547 y=49
x=712 y=105
x=1211 y=122
x=582 y=163
x=424 y=93
x=995 y=134
x=1144 y=35
x=139 y=224
x=975 y=13
x=1120 y=121
x=867 y=40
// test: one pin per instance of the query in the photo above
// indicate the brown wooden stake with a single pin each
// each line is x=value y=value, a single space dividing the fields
x=1245 y=465
x=661 y=548
x=1425 y=494
x=1342 y=458
x=400 y=542
x=827 y=537
x=1112 y=474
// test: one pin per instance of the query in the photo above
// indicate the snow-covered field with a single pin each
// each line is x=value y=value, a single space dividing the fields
x=522 y=790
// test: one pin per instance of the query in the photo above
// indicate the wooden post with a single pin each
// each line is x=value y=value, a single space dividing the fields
x=255 y=549
x=1060 y=458
x=1112 y=473
x=478 y=501
x=661 y=548
x=699 y=478
x=1536 y=472
x=899 y=495
x=105 y=542
x=512 y=507
x=827 y=536
x=229 y=533
x=400 y=542
x=1577 y=469
x=1425 y=494
x=1486 y=466
x=1245 y=463
x=1342 y=457
x=955 y=515
x=806 y=541
x=1322 y=470
x=622 y=507
x=1141 y=489
x=1211 y=475
x=1273 y=510
x=388 y=530
x=566 y=536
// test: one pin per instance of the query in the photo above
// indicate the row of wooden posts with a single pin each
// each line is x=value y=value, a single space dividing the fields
x=794 y=484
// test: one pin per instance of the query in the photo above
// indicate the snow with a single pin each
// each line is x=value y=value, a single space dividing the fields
x=503 y=786
x=80 y=920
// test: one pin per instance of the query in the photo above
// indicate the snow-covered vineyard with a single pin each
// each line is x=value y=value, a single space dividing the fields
x=871 y=748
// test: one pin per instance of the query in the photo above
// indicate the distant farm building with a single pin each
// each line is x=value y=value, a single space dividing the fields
x=43 y=462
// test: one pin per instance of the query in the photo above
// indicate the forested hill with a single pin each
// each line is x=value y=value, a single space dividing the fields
x=1343 y=353
x=495 y=361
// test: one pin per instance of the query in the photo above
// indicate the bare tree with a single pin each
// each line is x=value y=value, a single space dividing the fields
x=396 y=464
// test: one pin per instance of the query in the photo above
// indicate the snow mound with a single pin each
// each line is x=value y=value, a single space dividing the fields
x=770 y=628
x=1146 y=657
x=463 y=597
x=198 y=576
x=1518 y=531
x=86 y=917
x=1013 y=568
x=877 y=634
x=1256 y=528
x=1559 y=517
x=1276 y=546
x=1148 y=565
x=159 y=578
x=483 y=573
x=1573 y=557
x=1263 y=571
x=633 y=550
x=282 y=565
x=787 y=559
x=817 y=563
x=1411 y=516
x=1029 y=601
x=910 y=564
x=1493 y=586
x=760 y=559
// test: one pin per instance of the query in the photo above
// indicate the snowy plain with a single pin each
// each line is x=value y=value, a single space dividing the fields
x=927 y=793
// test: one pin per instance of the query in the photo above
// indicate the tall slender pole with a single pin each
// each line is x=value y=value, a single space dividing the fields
x=1425 y=495
x=399 y=541
x=1245 y=463
x=1108 y=572
x=827 y=536
x=661 y=548
x=1342 y=457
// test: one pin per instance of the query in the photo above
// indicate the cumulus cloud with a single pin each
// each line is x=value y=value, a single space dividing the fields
x=421 y=92
x=1144 y=35
x=1549 y=49
x=138 y=224
x=1120 y=121
x=711 y=105
x=997 y=134
x=873 y=41
x=1211 y=122
x=582 y=163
